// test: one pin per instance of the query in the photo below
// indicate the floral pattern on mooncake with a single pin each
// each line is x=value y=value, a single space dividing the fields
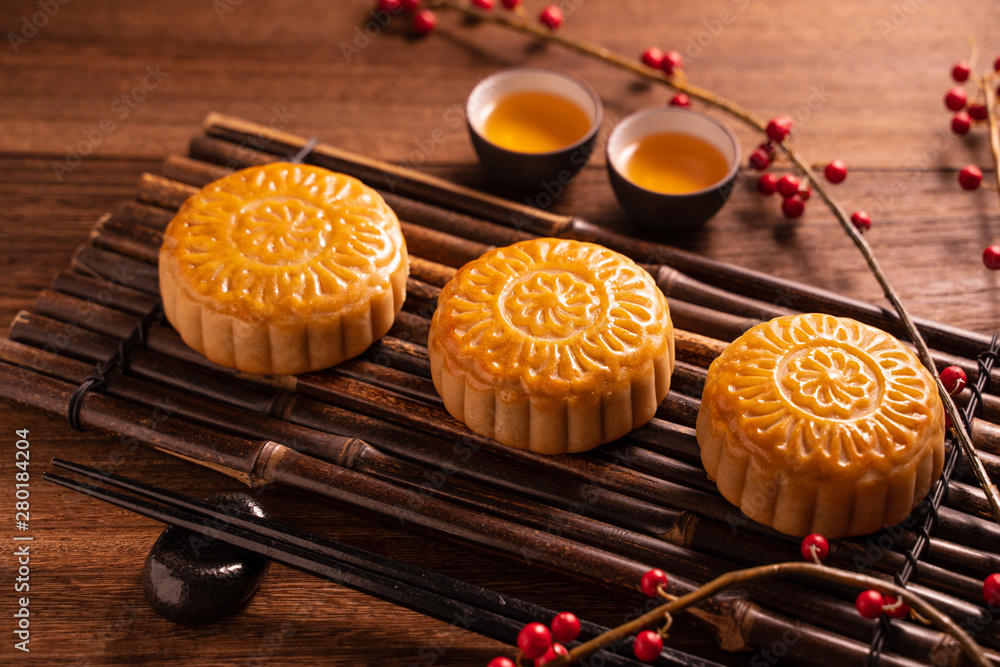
x=285 y=240
x=283 y=269
x=825 y=392
x=550 y=315
x=551 y=345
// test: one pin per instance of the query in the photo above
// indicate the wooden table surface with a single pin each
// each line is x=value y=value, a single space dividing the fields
x=96 y=92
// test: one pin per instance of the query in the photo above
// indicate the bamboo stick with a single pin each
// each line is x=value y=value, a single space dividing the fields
x=118 y=235
x=487 y=612
x=420 y=186
x=228 y=390
x=690 y=347
x=137 y=247
x=259 y=463
x=198 y=173
x=465 y=200
x=693 y=348
x=360 y=457
x=449 y=250
x=432 y=417
x=424 y=298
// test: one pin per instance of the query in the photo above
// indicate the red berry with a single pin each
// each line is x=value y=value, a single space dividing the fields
x=996 y=64
x=652 y=57
x=424 y=21
x=483 y=4
x=760 y=160
x=511 y=4
x=778 y=128
x=836 y=171
x=805 y=192
x=551 y=17
x=768 y=184
x=970 y=177
x=991 y=257
x=391 y=6
x=978 y=112
x=815 y=543
x=793 y=207
x=894 y=608
x=647 y=646
x=991 y=589
x=410 y=5
x=960 y=72
x=672 y=61
x=788 y=185
x=680 y=100
x=534 y=640
x=652 y=581
x=565 y=626
x=961 y=123
x=955 y=98
x=953 y=378
x=501 y=661
x=869 y=603
x=555 y=651
x=861 y=221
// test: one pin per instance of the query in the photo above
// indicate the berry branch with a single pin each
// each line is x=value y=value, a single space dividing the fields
x=539 y=643
x=991 y=118
x=536 y=642
x=670 y=72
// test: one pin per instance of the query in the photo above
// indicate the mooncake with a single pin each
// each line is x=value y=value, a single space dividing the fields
x=552 y=345
x=818 y=424
x=282 y=269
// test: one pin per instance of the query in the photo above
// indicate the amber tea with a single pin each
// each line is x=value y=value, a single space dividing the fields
x=535 y=122
x=673 y=163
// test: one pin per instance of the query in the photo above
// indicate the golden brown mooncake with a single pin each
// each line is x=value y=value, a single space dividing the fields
x=552 y=345
x=818 y=424
x=282 y=269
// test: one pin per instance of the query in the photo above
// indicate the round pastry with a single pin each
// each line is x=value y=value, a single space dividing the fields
x=552 y=345
x=284 y=268
x=818 y=424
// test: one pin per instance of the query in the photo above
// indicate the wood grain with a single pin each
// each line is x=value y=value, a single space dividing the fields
x=881 y=69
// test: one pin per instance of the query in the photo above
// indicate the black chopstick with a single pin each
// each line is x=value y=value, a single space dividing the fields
x=474 y=608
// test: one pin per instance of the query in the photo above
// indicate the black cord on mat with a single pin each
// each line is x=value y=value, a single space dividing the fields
x=986 y=360
x=118 y=360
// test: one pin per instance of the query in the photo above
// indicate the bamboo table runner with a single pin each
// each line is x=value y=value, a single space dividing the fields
x=597 y=519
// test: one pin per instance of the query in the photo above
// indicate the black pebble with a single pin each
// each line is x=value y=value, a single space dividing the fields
x=193 y=579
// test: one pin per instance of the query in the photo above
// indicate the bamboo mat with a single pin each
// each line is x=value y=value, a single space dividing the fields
x=643 y=501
